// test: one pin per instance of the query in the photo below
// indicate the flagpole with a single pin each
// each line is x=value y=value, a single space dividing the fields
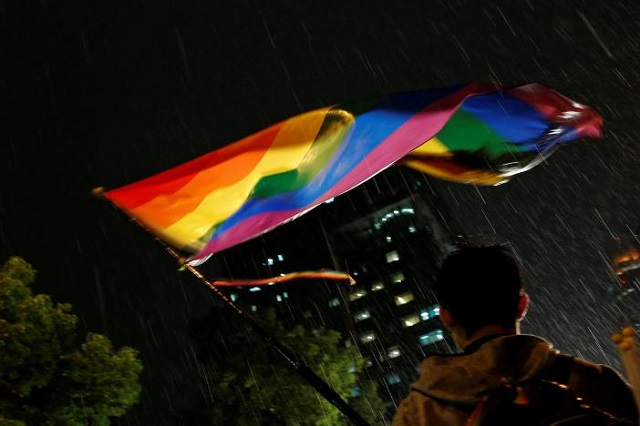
x=292 y=359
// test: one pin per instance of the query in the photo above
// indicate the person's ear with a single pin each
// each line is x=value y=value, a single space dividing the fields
x=523 y=306
x=446 y=317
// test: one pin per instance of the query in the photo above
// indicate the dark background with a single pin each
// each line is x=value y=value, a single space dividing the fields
x=107 y=92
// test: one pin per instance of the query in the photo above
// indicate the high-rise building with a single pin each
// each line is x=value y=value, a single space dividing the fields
x=389 y=234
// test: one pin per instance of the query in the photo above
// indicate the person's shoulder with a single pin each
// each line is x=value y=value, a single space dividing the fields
x=603 y=387
x=585 y=368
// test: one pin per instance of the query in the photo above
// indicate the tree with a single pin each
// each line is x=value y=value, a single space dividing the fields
x=247 y=383
x=46 y=376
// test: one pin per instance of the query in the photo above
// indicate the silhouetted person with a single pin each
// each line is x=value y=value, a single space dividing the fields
x=482 y=302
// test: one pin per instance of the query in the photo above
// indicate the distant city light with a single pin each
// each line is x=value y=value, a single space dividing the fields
x=362 y=315
x=430 y=312
x=355 y=392
x=432 y=337
x=254 y=289
x=393 y=352
x=393 y=256
x=368 y=337
x=404 y=298
x=330 y=200
x=357 y=295
x=377 y=286
x=269 y=261
x=280 y=257
x=393 y=379
x=410 y=320
x=398 y=277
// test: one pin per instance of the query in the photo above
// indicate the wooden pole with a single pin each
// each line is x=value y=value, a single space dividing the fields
x=292 y=360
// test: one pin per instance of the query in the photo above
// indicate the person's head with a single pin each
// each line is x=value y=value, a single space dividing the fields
x=480 y=286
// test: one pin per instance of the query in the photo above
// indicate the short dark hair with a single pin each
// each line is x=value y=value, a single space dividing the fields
x=480 y=285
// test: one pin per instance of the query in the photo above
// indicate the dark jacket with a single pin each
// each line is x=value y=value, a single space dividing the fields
x=450 y=386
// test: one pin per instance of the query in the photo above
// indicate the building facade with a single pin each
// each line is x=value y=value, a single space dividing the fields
x=389 y=234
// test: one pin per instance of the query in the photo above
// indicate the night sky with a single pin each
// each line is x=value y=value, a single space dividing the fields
x=105 y=93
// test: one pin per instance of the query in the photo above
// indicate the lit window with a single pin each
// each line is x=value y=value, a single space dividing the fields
x=377 y=286
x=398 y=277
x=429 y=313
x=280 y=257
x=412 y=229
x=410 y=320
x=254 y=308
x=368 y=337
x=388 y=239
x=233 y=297
x=403 y=298
x=269 y=261
x=330 y=200
x=352 y=368
x=362 y=315
x=334 y=302
x=278 y=298
x=407 y=211
x=393 y=352
x=393 y=379
x=431 y=338
x=357 y=295
x=254 y=289
x=286 y=295
x=392 y=256
x=367 y=363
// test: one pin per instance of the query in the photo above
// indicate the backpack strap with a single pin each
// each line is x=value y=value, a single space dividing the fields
x=559 y=369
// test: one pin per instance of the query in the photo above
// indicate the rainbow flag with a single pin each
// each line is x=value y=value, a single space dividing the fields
x=492 y=137
x=473 y=133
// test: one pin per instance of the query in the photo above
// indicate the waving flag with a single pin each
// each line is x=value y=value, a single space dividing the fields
x=473 y=133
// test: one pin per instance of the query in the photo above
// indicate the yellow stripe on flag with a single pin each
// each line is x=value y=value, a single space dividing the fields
x=287 y=151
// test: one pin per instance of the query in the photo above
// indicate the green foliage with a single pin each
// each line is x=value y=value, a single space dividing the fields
x=249 y=384
x=46 y=378
x=370 y=405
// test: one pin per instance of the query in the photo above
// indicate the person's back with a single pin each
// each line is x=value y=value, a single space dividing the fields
x=481 y=298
